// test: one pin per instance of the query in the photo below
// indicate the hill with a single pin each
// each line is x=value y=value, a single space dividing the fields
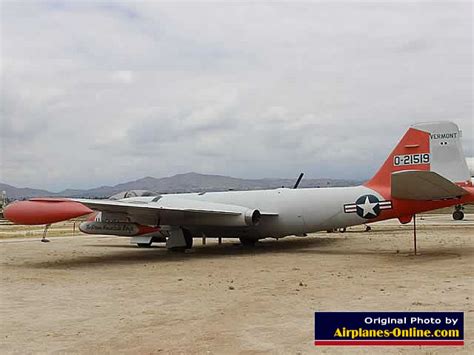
x=189 y=182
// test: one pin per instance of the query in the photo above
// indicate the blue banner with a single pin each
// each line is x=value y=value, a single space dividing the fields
x=389 y=328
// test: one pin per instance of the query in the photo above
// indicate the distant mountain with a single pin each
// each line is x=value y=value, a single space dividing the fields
x=16 y=193
x=189 y=182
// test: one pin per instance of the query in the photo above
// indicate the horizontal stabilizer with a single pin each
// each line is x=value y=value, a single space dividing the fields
x=423 y=186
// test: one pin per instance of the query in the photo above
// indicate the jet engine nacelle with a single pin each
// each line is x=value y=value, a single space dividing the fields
x=252 y=217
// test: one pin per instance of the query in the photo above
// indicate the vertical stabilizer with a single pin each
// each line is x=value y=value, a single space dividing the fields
x=433 y=146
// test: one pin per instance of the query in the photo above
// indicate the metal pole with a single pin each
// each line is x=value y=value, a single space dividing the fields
x=219 y=240
x=414 y=232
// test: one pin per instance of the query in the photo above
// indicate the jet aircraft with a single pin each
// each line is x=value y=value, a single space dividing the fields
x=426 y=171
x=458 y=213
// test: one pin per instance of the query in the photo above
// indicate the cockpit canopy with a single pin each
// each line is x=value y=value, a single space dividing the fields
x=132 y=193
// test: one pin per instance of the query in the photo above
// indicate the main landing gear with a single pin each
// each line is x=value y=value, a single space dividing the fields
x=458 y=213
x=179 y=239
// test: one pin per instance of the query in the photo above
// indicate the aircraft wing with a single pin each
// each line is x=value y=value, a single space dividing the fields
x=423 y=186
x=180 y=211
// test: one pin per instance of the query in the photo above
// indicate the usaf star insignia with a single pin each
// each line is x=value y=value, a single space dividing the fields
x=368 y=206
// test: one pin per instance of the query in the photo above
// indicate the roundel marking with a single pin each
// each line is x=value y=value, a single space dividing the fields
x=368 y=206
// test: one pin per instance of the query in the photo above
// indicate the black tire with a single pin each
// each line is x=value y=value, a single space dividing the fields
x=458 y=215
x=342 y=230
x=247 y=242
x=188 y=238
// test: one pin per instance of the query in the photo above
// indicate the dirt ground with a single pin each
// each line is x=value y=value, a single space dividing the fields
x=85 y=294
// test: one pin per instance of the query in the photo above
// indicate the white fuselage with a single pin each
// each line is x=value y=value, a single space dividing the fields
x=297 y=211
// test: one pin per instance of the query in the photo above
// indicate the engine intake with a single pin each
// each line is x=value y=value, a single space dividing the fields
x=252 y=217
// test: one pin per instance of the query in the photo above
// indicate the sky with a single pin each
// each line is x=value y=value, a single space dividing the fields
x=97 y=93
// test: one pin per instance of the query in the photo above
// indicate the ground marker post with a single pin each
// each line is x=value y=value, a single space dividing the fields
x=414 y=232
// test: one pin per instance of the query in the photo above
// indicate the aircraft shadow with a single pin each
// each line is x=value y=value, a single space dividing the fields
x=128 y=254
x=424 y=254
x=159 y=254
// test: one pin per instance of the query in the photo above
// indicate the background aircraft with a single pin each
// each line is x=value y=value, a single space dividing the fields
x=426 y=170
x=458 y=213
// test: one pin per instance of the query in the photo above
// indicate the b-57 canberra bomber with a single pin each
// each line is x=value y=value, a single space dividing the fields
x=426 y=171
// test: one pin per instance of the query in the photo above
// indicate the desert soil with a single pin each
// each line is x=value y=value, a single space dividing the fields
x=85 y=294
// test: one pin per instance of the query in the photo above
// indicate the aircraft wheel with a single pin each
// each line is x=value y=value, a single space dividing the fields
x=188 y=238
x=458 y=215
x=247 y=242
x=342 y=230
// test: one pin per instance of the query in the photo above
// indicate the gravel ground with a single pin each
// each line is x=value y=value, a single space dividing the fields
x=86 y=294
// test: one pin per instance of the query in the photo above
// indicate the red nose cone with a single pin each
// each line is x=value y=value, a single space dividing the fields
x=44 y=211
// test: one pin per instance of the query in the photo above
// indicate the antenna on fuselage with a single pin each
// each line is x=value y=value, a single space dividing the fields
x=298 y=181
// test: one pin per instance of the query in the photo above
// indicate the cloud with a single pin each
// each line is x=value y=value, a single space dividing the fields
x=123 y=76
x=98 y=92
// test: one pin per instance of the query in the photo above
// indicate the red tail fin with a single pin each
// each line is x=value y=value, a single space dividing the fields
x=432 y=146
x=411 y=153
